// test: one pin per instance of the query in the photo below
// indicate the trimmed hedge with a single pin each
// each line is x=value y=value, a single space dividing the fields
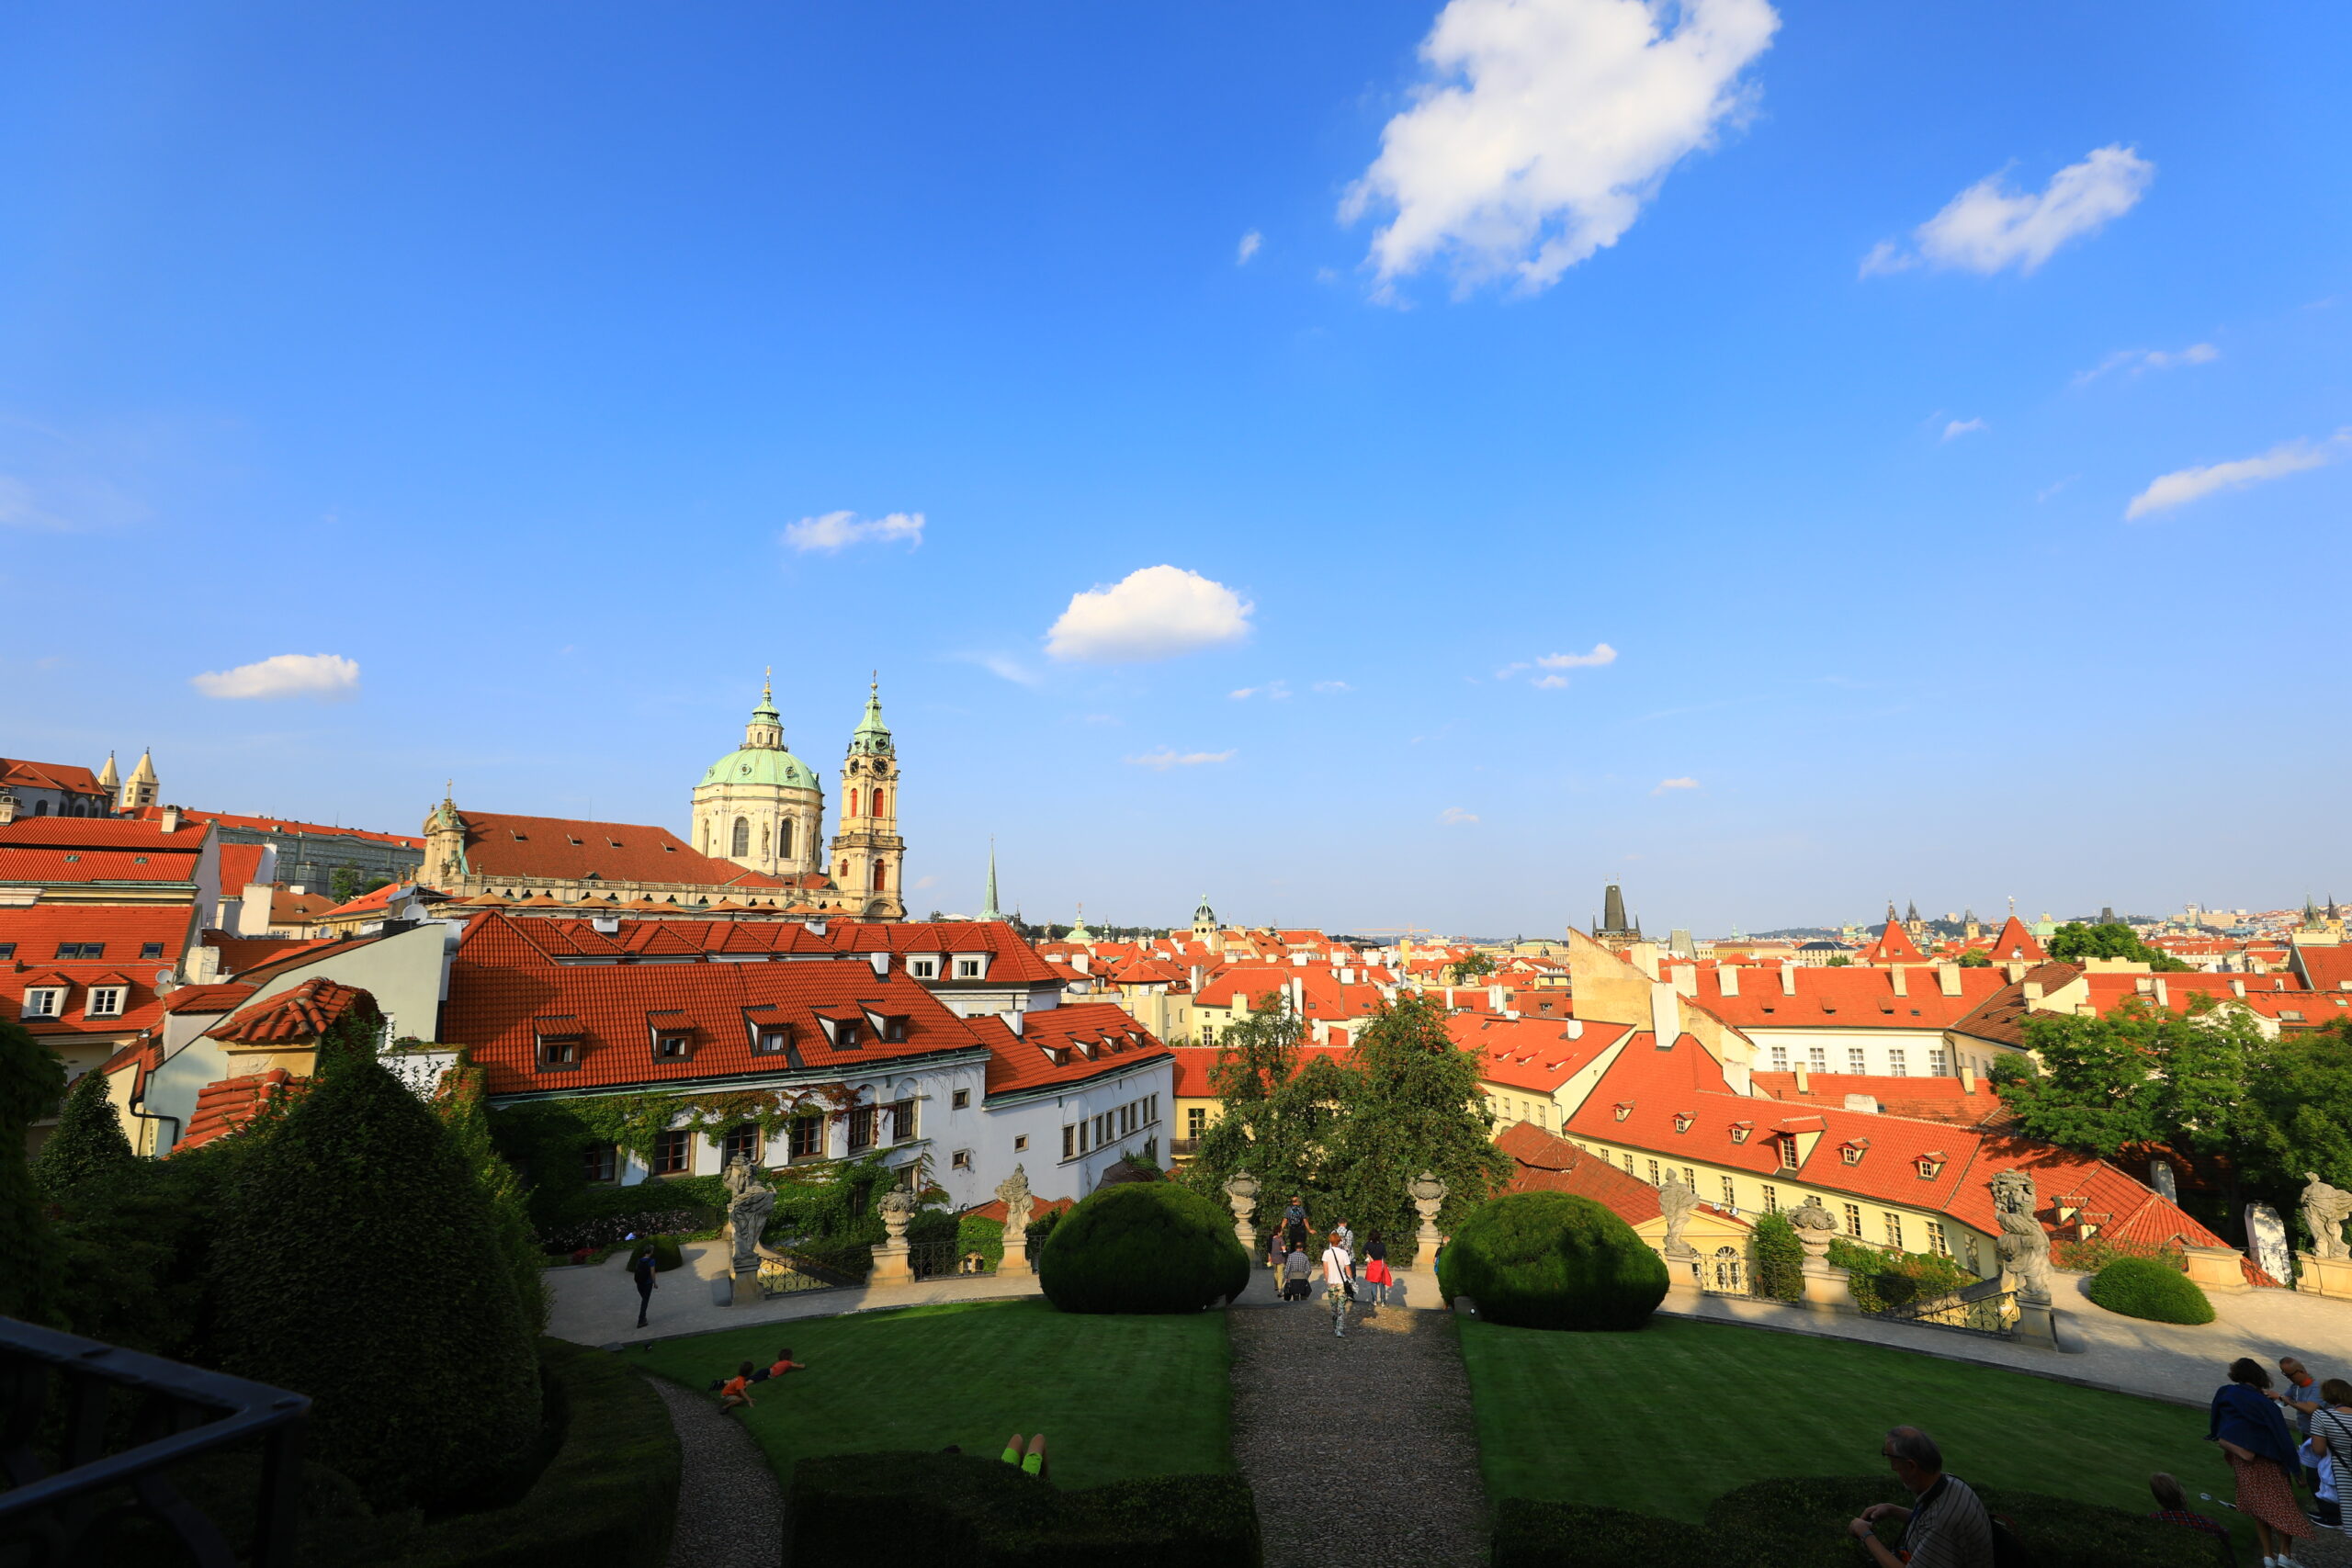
x=1551 y=1260
x=608 y=1497
x=919 y=1510
x=1142 y=1247
x=2146 y=1288
x=1800 y=1522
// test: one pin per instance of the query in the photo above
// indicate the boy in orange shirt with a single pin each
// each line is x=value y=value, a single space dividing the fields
x=737 y=1390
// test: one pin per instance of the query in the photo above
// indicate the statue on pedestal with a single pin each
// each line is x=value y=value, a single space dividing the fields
x=747 y=1209
x=1676 y=1198
x=2325 y=1209
x=1241 y=1193
x=2024 y=1246
x=1019 y=1202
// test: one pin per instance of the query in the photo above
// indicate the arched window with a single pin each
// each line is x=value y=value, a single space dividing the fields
x=40 y=808
x=880 y=810
x=881 y=877
x=783 y=838
x=742 y=838
x=853 y=803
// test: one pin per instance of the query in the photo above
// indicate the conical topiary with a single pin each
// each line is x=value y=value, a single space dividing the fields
x=1551 y=1260
x=360 y=1264
x=88 y=1142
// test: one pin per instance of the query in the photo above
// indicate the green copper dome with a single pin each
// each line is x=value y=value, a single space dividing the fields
x=761 y=766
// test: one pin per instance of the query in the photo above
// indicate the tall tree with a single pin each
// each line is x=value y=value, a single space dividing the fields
x=2075 y=941
x=1417 y=1107
x=89 y=1145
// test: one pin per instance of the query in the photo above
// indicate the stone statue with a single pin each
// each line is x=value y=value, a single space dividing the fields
x=2325 y=1209
x=1018 y=1201
x=2024 y=1246
x=2266 y=1239
x=1676 y=1198
x=1814 y=1226
x=746 y=1211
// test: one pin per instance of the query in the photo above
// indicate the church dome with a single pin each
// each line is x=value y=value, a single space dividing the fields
x=761 y=766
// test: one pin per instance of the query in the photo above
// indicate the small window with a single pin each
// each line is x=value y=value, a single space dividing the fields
x=923 y=968
x=555 y=1054
x=1788 y=1153
x=1937 y=1243
x=671 y=1047
x=861 y=1128
x=1853 y=1219
x=1780 y=1058
x=772 y=1040
x=894 y=1028
x=1731 y=1197
x=7 y=950
x=902 y=1122
x=804 y=1137
x=674 y=1153
x=1895 y=1232
x=1771 y=1200
x=1855 y=1061
x=1654 y=1176
x=968 y=969
x=1894 y=1064
x=106 y=1001
x=1817 y=1059
x=151 y=950
x=960 y=1100
x=1197 y=1121
x=960 y=1160
x=743 y=1139
x=43 y=1001
x=1020 y=1144
x=599 y=1162
x=1938 y=1062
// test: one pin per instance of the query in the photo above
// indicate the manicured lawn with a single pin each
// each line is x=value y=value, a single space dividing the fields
x=1665 y=1420
x=1117 y=1397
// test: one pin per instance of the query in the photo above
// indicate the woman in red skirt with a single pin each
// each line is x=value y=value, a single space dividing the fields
x=1376 y=1267
x=2255 y=1440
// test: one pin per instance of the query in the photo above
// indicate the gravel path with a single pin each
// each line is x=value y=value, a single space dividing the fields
x=1362 y=1450
x=730 y=1510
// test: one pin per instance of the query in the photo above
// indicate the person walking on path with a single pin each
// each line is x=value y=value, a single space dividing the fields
x=642 y=1269
x=1295 y=1272
x=1946 y=1525
x=1339 y=1275
x=2254 y=1438
x=1376 y=1267
x=2331 y=1445
x=2297 y=1401
x=1294 y=1224
x=1347 y=1238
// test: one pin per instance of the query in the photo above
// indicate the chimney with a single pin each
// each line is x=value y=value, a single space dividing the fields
x=2016 y=971
x=1788 y=979
x=1573 y=1028
x=1665 y=1014
x=2032 y=993
x=1948 y=979
x=2163 y=997
x=1082 y=961
x=7 y=808
x=1901 y=985
x=1198 y=973
x=881 y=962
x=816 y=928
x=1804 y=1080
x=171 y=820
x=1299 y=996
x=605 y=925
x=1686 y=980
x=1727 y=979
x=2237 y=987
x=1967 y=1077
x=201 y=966
x=1013 y=1021
x=1495 y=997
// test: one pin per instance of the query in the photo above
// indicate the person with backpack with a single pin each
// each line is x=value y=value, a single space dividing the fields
x=1945 y=1527
x=2260 y=1449
x=2329 y=1448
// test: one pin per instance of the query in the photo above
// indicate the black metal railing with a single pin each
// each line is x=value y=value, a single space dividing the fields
x=940 y=1259
x=1981 y=1308
x=785 y=1272
x=57 y=1385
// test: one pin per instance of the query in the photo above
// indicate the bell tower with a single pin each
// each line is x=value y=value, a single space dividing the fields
x=868 y=855
x=445 y=846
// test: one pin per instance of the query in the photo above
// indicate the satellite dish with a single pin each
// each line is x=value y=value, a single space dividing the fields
x=162 y=976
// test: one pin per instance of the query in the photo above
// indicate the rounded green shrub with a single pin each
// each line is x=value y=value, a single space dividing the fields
x=664 y=1248
x=1551 y=1260
x=1142 y=1247
x=2151 y=1289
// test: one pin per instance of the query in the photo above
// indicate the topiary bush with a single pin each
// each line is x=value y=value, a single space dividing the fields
x=1143 y=1246
x=2147 y=1288
x=358 y=1262
x=1551 y=1260
x=88 y=1143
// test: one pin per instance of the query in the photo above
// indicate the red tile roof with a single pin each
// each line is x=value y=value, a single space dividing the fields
x=2015 y=944
x=282 y=825
x=240 y=864
x=994 y=1209
x=1531 y=1054
x=1195 y=1062
x=498 y=845
x=501 y=985
x=1544 y=1163
x=302 y=1016
x=2324 y=968
x=1011 y=960
x=1847 y=998
x=1942 y=1099
x=1893 y=945
x=1066 y=1044
x=238 y=953
x=49 y=775
x=226 y=996
x=226 y=1104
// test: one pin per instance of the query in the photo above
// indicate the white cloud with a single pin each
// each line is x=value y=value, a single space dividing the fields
x=1601 y=654
x=1454 y=815
x=1988 y=226
x=2046 y=492
x=1665 y=785
x=1957 y=428
x=1248 y=248
x=2185 y=485
x=1155 y=612
x=1333 y=686
x=324 y=675
x=1272 y=690
x=837 y=531
x=1549 y=682
x=2139 y=360
x=1544 y=126
x=1168 y=757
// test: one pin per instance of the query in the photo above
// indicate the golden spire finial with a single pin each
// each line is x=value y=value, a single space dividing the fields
x=767 y=685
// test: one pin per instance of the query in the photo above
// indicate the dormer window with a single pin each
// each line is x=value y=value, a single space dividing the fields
x=1739 y=1131
x=1623 y=1108
x=923 y=968
x=970 y=968
x=105 y=1001
x=44 y=1001
x=558 y=1052
x=889 y=1026
x=673 y=1047
x=1682 y=1120
x=1788 y=1153
x=1930 y=1164
x=1852 y=1150
x=771 y=1038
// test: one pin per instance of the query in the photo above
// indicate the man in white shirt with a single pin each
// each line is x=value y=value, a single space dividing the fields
x=1339 y=1267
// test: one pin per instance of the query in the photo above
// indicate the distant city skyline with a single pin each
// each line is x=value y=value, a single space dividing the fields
x=1831 y=451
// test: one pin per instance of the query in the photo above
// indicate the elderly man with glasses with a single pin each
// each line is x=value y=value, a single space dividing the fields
x=1946 y=1525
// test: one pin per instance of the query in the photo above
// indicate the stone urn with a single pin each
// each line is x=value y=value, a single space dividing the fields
x=1428 y=1194
x=1241 y=1191
x=890 y=1263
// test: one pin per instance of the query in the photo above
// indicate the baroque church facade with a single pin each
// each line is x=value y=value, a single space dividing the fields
x=755 y=841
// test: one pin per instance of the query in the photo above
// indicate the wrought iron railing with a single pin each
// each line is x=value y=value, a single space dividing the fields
x=1982 y=1308
x=940 y=1260
x=64 y=1510
x=786 y=1273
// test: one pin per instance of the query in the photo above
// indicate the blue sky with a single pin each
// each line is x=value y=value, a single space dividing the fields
x=556 y=369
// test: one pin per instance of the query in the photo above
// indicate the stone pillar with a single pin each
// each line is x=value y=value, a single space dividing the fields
x=891 y=1264
x=2037 y=1323
x=1015 y=1260
x=2218 y=1269
x=2325 y=1276
x=1827 y=1288
x=1241 y=1192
